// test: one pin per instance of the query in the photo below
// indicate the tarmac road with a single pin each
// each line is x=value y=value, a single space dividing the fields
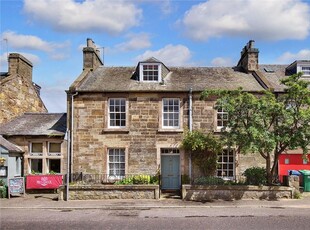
x=42 y=212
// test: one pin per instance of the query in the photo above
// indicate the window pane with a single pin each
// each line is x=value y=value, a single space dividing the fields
x=37 y=147
x=54 y=165
x=54 y=147
x=116 y=162
x=171 y=112
x=36 y=165
x=117 y=113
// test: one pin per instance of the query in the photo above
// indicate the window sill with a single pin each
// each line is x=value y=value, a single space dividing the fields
x=170 y=130
x=111 y=130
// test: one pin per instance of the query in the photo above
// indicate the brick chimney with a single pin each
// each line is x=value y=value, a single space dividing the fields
x=91 y=56
x=18 y=64
x=249 y=58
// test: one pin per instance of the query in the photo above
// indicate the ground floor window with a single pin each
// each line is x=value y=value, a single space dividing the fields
x=35 y=166
x=53 y=165
x=226 y=164
x=116 y=162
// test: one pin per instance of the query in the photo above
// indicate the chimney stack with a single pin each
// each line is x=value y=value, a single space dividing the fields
x=249 y=58
x=91 y=56
x=18 y=64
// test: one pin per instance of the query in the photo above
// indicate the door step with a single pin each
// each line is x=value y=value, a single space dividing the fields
x=170 y=195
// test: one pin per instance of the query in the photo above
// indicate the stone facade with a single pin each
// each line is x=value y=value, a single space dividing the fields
x=235 y=192
x=18 y=94
x=144 y=137
x=102 y=192
x=24 y=143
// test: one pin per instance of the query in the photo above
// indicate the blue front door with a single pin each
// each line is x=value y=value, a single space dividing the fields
x=170 y=172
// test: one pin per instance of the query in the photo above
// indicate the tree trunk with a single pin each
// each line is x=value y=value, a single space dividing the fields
x=268 y=169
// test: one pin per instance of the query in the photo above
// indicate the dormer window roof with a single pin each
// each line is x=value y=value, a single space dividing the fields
x=151 y=70
x=300 y=66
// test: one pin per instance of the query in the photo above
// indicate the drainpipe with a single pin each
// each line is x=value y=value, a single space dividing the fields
x=190 y=124
x=68 y=164
x=72 y=129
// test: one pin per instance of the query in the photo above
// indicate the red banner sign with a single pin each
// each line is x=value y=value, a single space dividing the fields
x=43 y=181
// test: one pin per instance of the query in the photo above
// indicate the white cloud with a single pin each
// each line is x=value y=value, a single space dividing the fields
x=289 y=57
x=30 y=42
x=269 y=20
x=85 y=16
x=221 y=61
x=172 y=55
x=135 y=42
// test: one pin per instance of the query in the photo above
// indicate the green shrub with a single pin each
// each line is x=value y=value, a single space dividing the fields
x=3 y=191
x=255 y=176
x=138 y=179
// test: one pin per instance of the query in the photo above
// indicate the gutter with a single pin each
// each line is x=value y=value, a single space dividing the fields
x=190 y=124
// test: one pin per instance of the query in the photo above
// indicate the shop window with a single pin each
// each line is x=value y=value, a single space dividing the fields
x=35 y=166
x=36 y=149
x=54 y=149
x=54 y=165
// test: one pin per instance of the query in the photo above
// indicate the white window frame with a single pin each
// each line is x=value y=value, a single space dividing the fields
x=220 y=111
x=119 y=151
x=141 y=72
x=31 y=153
x=118 y=112
x=221 y=164
x=300 y=68
x=171 y=112
x=307 y=72
x=53 y=153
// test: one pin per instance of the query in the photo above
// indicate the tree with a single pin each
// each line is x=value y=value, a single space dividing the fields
x=268 y=123
x=204 y=148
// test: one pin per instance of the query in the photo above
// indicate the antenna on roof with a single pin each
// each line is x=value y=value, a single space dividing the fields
x=7 y=47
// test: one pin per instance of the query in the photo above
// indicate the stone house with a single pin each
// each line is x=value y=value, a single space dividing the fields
x=131 y=120
x=18 y=94
x=40 y=137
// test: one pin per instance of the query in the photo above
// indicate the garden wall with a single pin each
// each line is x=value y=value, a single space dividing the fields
x=100 y=192
x=234 y=192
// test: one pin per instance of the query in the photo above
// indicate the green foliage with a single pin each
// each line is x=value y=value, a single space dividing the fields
x=138 y=179
x=3 y=191
x=255 y=176
x=267 y=123
x=1 y=182
x=204 y=148
x=185 y=179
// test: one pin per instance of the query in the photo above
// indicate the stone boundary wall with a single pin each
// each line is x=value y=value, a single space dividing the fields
x=101 y=192
x=235 y=192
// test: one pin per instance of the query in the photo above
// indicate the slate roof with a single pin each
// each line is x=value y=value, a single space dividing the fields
x=36 y=124
x=9 y=146
x=179 y=79
x=274 y=73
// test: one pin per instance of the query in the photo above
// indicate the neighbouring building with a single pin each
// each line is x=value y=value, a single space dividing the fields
x=11 y=157
x=18 y=94
x=131 y=120
x=39 y=141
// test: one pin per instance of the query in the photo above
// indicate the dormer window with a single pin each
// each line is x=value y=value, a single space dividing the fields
x=305 y=70
x=150 y=72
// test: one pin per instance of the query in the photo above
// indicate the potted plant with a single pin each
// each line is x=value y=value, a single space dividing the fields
x=2 y=161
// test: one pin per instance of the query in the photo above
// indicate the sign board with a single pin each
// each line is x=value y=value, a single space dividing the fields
x=16 y=186
x=43 y=181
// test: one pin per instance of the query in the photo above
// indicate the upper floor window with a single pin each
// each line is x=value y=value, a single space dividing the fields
x=36 y=149
x=305 y=70
x=171 y=113
x=54 y=149
x=150 y=72
x=222 y=118
x=117 y=112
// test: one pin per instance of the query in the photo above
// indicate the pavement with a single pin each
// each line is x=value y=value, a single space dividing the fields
x=49 y=201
